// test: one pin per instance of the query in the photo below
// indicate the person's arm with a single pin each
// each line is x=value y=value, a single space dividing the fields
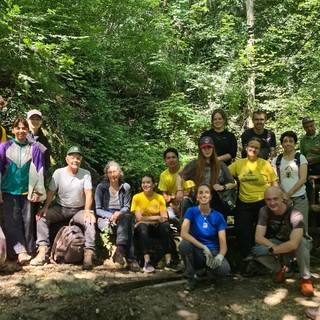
x=98 y=196
x=126 y=199
x=225 y=157
x=232 y=146
x=88 y=213
x=292 y=244
x=179 y=195
x=273 y=145
x=222 y=242
x=229 y=182
x=44 y=209
x=185 y=235
x=162 y=217
x=260 y=236
x=303 y=172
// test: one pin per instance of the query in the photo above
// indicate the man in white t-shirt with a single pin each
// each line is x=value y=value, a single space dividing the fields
x=73 y=189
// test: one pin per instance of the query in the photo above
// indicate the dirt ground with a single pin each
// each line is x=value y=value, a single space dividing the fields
x=67 y=292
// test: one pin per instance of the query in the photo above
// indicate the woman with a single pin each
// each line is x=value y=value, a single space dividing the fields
x=112 y=199
x=292 y=170
x=225 y=142
x=21 y=176
x=209 y=170
x=152 y=221
x=204 y=239
x=35 y=121
x=255 y=175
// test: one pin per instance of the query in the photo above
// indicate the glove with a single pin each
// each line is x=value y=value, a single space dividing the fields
x=208 y=255
x=260 y=250
x=217 y=261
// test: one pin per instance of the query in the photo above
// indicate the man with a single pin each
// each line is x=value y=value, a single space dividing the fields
x=310 y=146
x=268 y=147
x=279 y=234
x=167 y=183
x=73 y=188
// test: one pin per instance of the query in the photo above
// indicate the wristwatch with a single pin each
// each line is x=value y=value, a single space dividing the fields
x=271 y=249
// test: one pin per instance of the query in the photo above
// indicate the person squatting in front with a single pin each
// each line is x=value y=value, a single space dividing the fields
x=204 y=241
x=279 y=236
x=112 y=200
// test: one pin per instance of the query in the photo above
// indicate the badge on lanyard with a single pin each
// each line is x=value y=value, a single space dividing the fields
x=205 y=225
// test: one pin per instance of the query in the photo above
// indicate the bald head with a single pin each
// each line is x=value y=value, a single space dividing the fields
x=275 y=200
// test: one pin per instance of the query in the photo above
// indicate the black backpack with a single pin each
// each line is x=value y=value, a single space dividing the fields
x=68 y=245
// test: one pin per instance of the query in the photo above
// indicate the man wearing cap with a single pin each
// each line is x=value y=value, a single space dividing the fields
x=73 y=188
x=36 y=135
x=267 y=137
x=310 y=146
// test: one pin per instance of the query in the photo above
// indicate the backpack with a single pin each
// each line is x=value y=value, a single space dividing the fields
x=68 y=245
x=279 y=158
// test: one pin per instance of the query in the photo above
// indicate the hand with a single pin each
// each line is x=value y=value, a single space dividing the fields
x=208 y=255
x=217 y=261
x=115 y=216
x=314 y=150
x=218 y=187
x=260 y=250
x=179 y=196
x=162 y=219
x=89 y=217
x=41 y=212
x=35 y=197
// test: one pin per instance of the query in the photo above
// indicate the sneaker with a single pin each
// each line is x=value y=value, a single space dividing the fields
x=280 y=277
x=134 y=266
x=313 y=313
x=171 y=266
x=148 y=268
x=23 y=258
x=191 y=284
x=118 y=257
x=306 y=287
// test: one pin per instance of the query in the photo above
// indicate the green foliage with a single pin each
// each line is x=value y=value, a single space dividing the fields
x=126 y=79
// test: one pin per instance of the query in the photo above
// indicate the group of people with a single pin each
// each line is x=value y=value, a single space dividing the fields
x=271 y=213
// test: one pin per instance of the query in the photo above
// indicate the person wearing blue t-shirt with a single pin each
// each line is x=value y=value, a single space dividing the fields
x=204 y=239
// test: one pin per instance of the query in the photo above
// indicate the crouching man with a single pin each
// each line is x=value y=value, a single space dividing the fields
x=73 y=188
x=279 y=236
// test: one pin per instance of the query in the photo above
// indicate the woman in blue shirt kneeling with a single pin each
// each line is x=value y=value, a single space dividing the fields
x=204 y=239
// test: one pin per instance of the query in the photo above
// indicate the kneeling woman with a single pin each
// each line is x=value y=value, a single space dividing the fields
x=152 y=221
x=204 y=239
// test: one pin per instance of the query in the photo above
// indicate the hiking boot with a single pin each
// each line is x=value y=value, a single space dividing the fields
x=191 y=284
x=87 y=260
x=313 y=312
x=148 y=268
x=280 y=277
x=306 y=287
x=41 y=258
x=23 y=258
x=171 y=266
x=134 y=266
x=119 y=257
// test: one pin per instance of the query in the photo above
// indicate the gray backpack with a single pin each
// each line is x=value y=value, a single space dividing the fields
x=68 y=245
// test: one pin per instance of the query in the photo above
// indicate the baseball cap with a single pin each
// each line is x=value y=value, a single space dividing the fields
x=206 y=142
x=74 y=149
x=307 y=119
x=34 y=112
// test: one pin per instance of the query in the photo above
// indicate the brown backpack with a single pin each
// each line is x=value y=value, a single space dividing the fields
x=68 y=245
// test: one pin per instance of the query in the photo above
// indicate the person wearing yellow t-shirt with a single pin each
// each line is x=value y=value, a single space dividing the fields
x=254 y=175
x=150 y=211
x=167 y=183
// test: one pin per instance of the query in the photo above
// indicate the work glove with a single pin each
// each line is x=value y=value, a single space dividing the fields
x=217 y=261
x=208 y=255
x=260 y=250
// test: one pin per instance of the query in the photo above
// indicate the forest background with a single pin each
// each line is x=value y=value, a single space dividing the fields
x=125 y=79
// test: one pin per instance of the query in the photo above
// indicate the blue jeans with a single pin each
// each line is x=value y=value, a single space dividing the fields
x=19 y=224
x=57 y=213
x=194 y=259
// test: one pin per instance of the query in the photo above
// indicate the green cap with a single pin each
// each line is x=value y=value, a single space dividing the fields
x=74 y=149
